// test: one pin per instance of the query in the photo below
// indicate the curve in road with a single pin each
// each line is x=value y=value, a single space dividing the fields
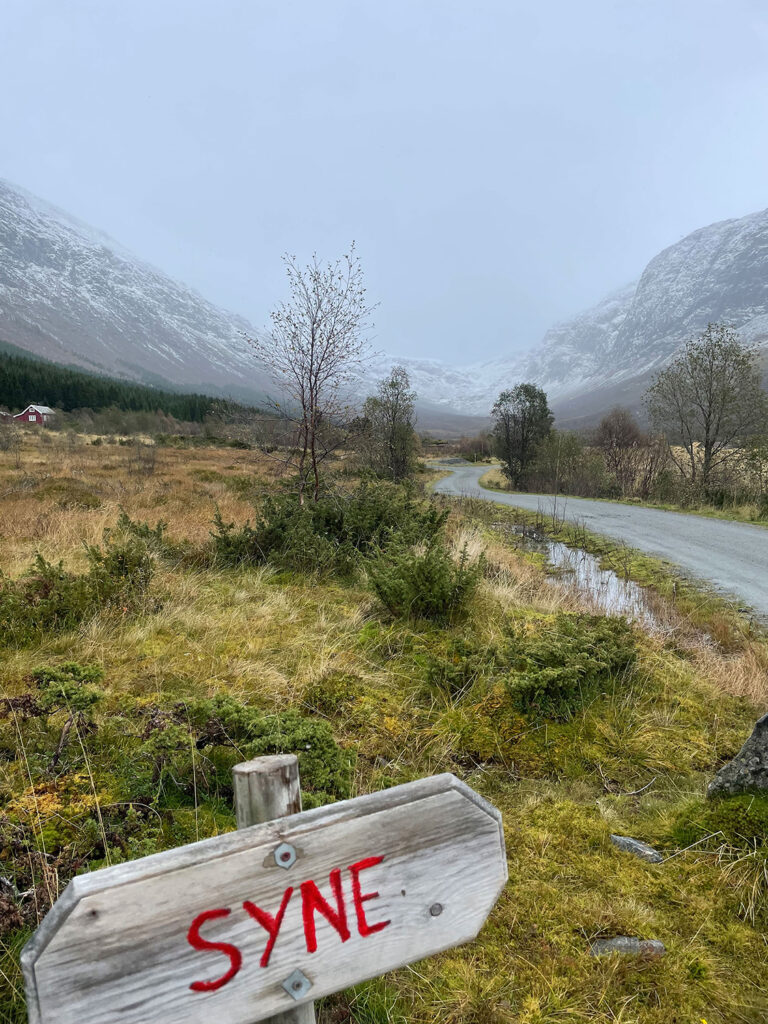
x=732 y=556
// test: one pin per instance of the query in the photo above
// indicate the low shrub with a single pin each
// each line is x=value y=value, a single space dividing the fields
x=69 y=687
x=49 y=598
x=456 y=670
x=332 y=534
x=548 y=667
x=325 y=768
x=120 y=571
x=154 y=538
x=557 y=667
x=425 y=584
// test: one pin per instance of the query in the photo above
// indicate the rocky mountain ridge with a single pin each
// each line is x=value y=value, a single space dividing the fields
x=607 y=354
x=71 y=294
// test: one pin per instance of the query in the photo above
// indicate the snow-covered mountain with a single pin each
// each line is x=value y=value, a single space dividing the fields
x=566 y=357
x=71 y=294
x=608 y=353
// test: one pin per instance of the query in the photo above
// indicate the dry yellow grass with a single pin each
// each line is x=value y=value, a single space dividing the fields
x=67 y=491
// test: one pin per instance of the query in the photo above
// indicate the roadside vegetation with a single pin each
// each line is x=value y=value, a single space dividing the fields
x=164 y=620
x=704 y=446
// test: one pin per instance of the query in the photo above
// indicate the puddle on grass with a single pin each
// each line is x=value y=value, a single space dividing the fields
x=608 y=592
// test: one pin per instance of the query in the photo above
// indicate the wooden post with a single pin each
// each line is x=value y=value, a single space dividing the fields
x=268 y=788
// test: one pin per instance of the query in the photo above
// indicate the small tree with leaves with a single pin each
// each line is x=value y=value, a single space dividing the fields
x=709 y=402
x=389 y=440
x=314 y=351
x=521 y=419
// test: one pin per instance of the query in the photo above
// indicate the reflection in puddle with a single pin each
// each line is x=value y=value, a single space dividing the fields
x=611 y=594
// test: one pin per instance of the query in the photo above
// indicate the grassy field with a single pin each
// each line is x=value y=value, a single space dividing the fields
x=575 y=726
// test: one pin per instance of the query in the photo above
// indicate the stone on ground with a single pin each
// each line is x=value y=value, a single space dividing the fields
x=748 y=771
x=636 y=846
x=628 y=945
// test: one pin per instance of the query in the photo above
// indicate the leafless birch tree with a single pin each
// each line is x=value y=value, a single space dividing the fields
x=389 y=439
x=314 y=351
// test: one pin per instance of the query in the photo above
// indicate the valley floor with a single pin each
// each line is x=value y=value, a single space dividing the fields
x=314 y=664
x=732 y=556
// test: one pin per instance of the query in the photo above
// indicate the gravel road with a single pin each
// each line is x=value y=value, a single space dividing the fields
x=733 y=556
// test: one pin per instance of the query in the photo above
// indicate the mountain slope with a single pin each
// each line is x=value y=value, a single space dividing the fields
x=608 y=353
x=73 y=295
x=718 y=273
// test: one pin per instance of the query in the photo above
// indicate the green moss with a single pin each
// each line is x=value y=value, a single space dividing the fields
x=741 y=821
x=335 y=693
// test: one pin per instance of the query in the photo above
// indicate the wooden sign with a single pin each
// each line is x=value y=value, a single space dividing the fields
x=250 y=924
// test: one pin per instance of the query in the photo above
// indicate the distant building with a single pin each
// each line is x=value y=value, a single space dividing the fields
x=39 y=414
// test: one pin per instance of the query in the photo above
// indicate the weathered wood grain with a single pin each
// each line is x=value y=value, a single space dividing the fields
x=114 y=947
x=267 y=788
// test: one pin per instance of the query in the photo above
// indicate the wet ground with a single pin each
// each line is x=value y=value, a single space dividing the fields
x=732 y=556
x=609 y=593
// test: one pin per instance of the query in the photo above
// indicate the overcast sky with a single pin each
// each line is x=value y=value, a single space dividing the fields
x=501 y=164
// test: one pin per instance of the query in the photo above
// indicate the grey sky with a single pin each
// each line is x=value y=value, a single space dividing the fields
x=500 y=164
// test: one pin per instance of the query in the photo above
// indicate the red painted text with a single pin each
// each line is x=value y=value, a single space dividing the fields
x=313 y=902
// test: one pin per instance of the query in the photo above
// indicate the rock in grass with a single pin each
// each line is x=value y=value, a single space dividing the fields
x=748 y=771
x=640 y=849
x=629 y=945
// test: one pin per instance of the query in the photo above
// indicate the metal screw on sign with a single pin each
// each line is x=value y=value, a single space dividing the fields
x=285 y=855
x=436 y=909
x=297 y=984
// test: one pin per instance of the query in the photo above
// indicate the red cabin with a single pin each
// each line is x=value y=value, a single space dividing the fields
x=40 y=415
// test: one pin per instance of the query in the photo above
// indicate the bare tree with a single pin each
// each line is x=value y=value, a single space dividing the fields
x=389 y=436
x=314 y=350
x=653 y=459
x=11 y=440
x=709 y=401
x=479 y=446
x=620 y=440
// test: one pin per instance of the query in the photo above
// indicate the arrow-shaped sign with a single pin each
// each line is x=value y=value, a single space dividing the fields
x=243 y=926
